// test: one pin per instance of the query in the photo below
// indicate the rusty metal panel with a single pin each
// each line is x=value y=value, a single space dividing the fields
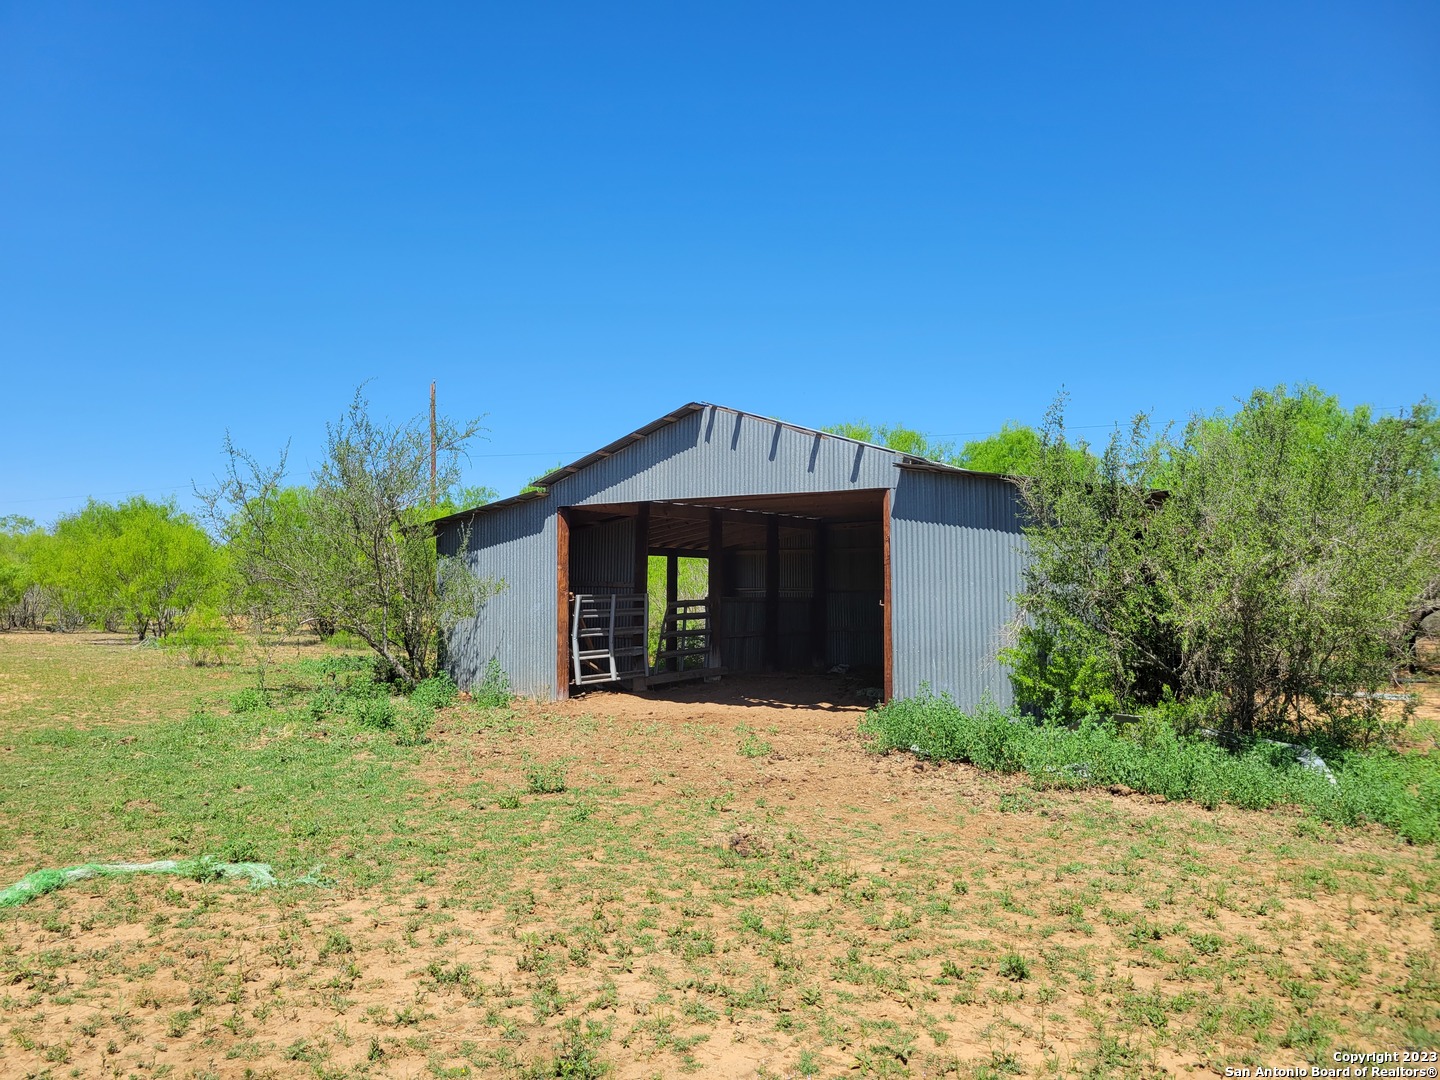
x=957 y=555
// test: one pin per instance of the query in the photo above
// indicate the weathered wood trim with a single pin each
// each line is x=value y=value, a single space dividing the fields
x=716 y=585
x=888 y=605
x=562 y=602
x=642 y=549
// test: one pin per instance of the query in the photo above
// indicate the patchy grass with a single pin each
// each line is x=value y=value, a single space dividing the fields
x=615 y=886
x=1399 y=790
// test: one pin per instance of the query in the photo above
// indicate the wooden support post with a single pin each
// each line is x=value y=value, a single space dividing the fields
x=672 y=593
x=716 y=584
x=562 y=602
x=642 y=549
x=772 y=593
x=819 y=596
x=888 y=612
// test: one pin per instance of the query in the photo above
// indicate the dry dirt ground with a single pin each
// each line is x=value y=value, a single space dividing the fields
x=726 y=883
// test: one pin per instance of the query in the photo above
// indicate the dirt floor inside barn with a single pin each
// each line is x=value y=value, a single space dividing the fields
x=718 y=880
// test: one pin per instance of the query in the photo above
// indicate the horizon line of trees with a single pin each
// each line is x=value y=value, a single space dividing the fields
x=1276 y=583
x=139 y=565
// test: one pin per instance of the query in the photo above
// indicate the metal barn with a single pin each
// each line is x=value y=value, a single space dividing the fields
x=820 y=551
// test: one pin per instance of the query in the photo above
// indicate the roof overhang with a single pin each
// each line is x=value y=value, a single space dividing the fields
x=485 y=508
x=620 y=444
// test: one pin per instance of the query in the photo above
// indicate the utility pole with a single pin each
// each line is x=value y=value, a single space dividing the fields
x=433 y=493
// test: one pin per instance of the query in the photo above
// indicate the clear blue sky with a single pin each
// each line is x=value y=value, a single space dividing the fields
x=576 y=217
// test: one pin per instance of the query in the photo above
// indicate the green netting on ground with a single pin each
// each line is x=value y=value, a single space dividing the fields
x=205 y=868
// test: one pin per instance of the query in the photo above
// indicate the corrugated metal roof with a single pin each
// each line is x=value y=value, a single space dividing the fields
x=904 y=461
x=620 y=444
x=485 y=508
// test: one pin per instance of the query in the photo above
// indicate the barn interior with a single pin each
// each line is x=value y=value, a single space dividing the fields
x=792 y=583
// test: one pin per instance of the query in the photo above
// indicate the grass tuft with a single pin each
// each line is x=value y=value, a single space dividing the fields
x=1401 y=791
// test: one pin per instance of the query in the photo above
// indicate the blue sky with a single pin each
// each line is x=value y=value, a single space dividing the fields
x=576 y=217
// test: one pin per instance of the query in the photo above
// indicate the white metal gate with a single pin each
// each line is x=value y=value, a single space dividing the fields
x=609 y=637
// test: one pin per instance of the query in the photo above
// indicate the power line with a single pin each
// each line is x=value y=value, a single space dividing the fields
x=173 y=488
x=543 y=453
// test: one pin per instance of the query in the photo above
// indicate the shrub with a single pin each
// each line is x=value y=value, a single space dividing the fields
x=1271 y=560
x=436 y=692
x=335 y=665
x=352 y=550
x=247 y=700
x=1055 y=681
x=349 y=686
x=373 y=712
x=415 y=727
x=494 y=690
x=205 y=639
x=544 y=778
x=1401 y=791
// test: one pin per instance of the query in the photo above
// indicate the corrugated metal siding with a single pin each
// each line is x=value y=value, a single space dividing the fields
x=957 y=554
x=742 y=641
x=742 y=634
x=517 y=626
x=854 y=618
x=716 y=452
x=747 y=573
x=602 y=558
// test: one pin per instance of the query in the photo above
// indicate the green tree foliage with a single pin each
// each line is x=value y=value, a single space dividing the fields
x=1014 y=450
x=464 y=497
x=895 y=437
x=354 y=550
x=692 y=581
x=21 y=604
x=277 y=519
x=1265 y=564
x=532 y=486
x=139 y=564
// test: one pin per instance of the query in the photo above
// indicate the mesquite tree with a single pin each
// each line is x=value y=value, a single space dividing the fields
x=1268 y=563
x=354 y=551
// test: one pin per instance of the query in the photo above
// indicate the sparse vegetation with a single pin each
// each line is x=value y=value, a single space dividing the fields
x=352 y=551
x=514 y=889
x=544 y=777
x=1262 y=570
x=1399 y=790
x=551 y=891
x=493 y=690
